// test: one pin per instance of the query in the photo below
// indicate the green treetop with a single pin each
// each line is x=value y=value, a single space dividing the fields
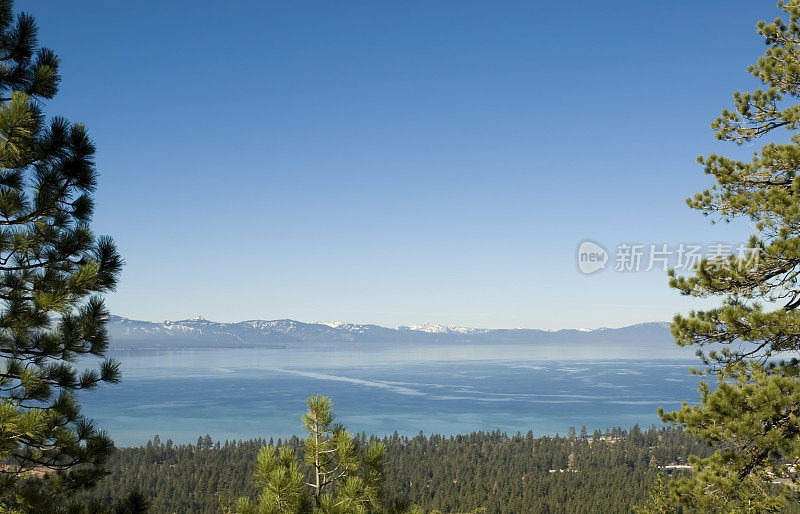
x=751 y=341
x=335 y=477
x=52 y=271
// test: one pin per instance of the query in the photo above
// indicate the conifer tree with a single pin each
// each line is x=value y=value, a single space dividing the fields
x=340 y=478
x=53 y=270
x=281 y=482
x=750 y=343
x=659 y=501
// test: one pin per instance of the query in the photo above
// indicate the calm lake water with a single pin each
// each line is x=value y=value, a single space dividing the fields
x=245 y=393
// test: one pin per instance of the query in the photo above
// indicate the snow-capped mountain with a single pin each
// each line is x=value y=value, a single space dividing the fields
x=442 y=329
x=198 y=331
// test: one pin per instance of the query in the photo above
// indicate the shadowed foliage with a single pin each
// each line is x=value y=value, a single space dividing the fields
x=53 y=270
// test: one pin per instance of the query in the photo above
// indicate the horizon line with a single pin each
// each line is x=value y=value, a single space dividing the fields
x=413 y=326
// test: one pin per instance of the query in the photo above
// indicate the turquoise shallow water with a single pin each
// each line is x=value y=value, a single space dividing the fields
x=244 y=393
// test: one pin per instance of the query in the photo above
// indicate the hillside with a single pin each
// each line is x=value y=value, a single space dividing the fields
x=200 y=332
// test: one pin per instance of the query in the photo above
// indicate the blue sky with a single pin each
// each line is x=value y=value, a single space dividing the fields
x=398 y=162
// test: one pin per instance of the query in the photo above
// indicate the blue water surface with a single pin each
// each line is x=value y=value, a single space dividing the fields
x=245 y=393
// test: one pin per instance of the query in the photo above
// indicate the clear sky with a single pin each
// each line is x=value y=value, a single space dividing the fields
x=398 y=162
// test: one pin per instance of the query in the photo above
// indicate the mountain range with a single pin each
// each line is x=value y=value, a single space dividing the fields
x=200 y=332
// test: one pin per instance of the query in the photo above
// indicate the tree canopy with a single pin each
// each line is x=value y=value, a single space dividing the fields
x=53 y=271
x=750 y=343
x=341 y=478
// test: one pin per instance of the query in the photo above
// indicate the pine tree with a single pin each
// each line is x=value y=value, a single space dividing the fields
x=750 y=342
x=52 y=271
x=281 y=482
x=659 y=501
x=329 y=448
x=342 y=479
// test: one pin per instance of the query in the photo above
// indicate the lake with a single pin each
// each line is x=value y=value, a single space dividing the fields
x=448 y=389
